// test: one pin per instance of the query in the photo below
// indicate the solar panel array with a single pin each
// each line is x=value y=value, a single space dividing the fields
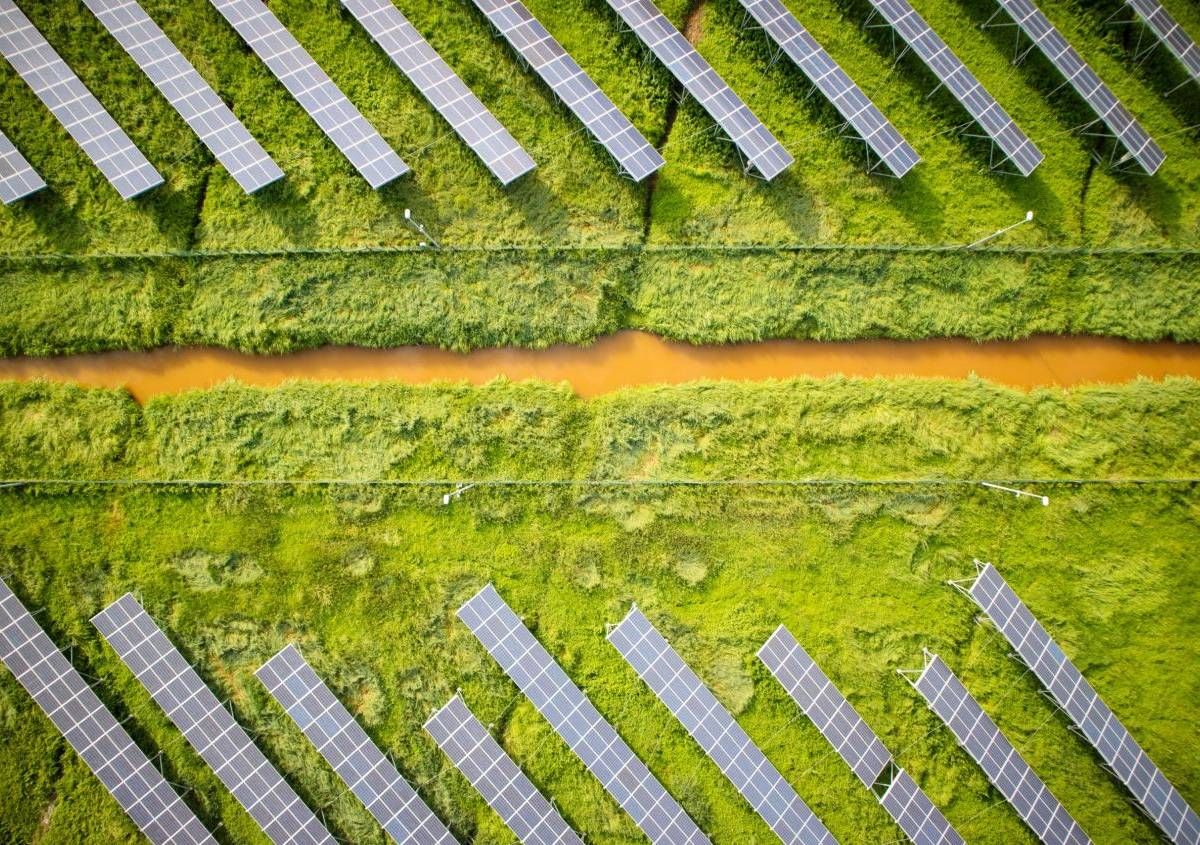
x=313 y=90
x=207 y=726
x=961 y=83
x=757 y=145
x=81 y=114
x=92 y=730
x=441 y=86
x=538 y=48
x=18 y=179
x=184 y=88
x=711 y=725
x=854 y=740
x=883 y=139
x=497 y=777
x=1004 y=767
x=1167 y=30
x=1079 y=700
x=345 y=745
x=577 y=721
x=1137 y=142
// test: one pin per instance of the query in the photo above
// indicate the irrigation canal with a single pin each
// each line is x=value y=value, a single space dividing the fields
x=631 y=358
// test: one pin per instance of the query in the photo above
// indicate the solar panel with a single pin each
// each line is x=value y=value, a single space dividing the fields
x=77 y=110
x=921 y=821
x=1137 y=142
x=356 y=759
x=961 y=83
x=711 y=725
x=1004 y=767
x=92 y=730
x=441 y=86
x=208 y=727
x=18 y=179
x=1079 y=700
x=313 y=90
x=880 y=136
x=611 y=129
x=184 y=88
x=1170 y=33
x=577 y=721
x=854 y=741
x=497 y=777
x=753 y=140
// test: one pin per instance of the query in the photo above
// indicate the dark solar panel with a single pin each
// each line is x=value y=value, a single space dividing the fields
x=184 y=88
x=711 y=725
x=81 y=114
x=356 y=759
x=961 y=83
x=1124 y=127
x=577 y=721
x=1079 y=700
x=208 y=727
x=838 y=88
x=921 y=821
x=611 y=129
x=17 y=177
x=313 y=90
x=92 y=730
x=1004 y=767
x=1168 y=31
x=497 y=777
x=754 y=141
x=477 y=126
x=853 y=740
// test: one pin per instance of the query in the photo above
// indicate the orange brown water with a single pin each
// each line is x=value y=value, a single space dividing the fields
x=627 y=359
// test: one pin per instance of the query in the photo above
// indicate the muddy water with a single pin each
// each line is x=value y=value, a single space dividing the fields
x=627 y=359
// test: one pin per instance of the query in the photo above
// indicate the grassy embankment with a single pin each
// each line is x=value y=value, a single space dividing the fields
x=594 y=253
x=365 y=578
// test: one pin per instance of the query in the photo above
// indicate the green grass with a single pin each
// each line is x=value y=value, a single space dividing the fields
x=366 y=579
x=547 y=291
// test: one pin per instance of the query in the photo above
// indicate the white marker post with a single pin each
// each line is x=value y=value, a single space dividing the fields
x=1045 y=500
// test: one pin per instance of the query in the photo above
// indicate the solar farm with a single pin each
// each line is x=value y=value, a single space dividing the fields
x=811 y=611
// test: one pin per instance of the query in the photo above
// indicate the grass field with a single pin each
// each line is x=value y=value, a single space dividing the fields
x=650 y=253
x=366 y=578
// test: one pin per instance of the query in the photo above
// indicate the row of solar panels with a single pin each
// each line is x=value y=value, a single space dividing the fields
x=131 y=173
x=212 y=731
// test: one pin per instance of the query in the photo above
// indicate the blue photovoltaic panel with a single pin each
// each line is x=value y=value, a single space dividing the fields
x=1170 y=33
x=477 y=126
x=497 y=777
x=921 y=821
x=187 y=92
x=576 y=720
x=207 y=726
x=538 y=48
x=754 y=141
x=1004 y=767
x=1079 y=74
x=867 y=121
x=961 y=83
x=854 y=740
x=1084 y=707
x=721 y=737
x=313 y=90
x=356 y=759
x=17 y=177
x=92 y=730
x=81 y=114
